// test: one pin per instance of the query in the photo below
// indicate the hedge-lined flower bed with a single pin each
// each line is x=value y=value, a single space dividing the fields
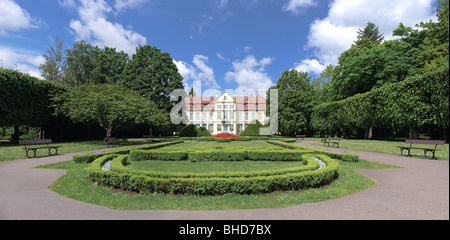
x=213 y=185
x=225 y=135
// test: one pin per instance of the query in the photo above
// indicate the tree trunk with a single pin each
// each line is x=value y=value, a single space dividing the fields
x=16 y=134
x=109 y=130
x=445 y=134
x=415 y=134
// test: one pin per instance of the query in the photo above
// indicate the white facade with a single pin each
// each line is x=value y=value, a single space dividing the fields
x=225 y=113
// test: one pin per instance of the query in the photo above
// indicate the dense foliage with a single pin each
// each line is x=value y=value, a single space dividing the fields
x=109 y=105
x=420 y=101
x=24 y=100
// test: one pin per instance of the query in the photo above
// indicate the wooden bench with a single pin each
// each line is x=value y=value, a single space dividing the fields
x=38 y=142
x=300 y=136
x=114 y=142
x=333 y=140
x=425 y=150
x=5 y=141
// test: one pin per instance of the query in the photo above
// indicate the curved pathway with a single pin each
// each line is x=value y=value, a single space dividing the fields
x=419 y=190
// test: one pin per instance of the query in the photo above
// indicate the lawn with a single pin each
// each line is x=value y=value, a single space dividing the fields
x=13 y=152
x=388 y=147
x=75 y=185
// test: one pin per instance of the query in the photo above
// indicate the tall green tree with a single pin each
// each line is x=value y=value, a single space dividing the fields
x=295 y=100
x=80 y=63
x=370 y=32
x=153 y=74
x=109 y=66
x=53 y=68
x=24 y=100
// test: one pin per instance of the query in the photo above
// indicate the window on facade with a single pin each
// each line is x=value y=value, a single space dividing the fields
x=225 y=106
x=245 y=105
x=210 y=128
x=197 y=116
x=253 y=115
x=210 y=116
x=246 y=116
x=256 y=106
x=260 y=117
x=205 y=105
x=191 y=116
x=225 y=127
x=219 y=115
x=232 y=128
x=224 y=98
x=204 y=116
x=219 y=127
x=239 y=115
x=219 y=107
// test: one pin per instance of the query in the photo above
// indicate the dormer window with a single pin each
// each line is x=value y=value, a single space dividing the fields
x=224 y=98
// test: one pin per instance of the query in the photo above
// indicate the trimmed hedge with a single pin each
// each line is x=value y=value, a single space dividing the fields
x=346 y=156
x=91 y=156
x=118 y=163
x=219 y=153
x=216 y=185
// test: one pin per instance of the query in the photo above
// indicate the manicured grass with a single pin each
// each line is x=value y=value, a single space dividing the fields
x=75 y=185
x=388 y=147
x=213 y=166
x=13 y=152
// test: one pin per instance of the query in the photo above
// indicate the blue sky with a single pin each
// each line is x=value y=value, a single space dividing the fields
x=242 y=45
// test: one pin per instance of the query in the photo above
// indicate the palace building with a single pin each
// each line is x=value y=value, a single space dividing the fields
x=225 y=113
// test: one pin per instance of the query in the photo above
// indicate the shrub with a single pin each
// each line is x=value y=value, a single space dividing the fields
x=252 y=129
x=215 y=185
x=191 y=130
x=91 y=156
x=344 y=156
x=147 y=155
x=188 y=131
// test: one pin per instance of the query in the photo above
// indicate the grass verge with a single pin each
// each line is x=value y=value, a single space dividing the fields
x=389 y=147
x=75 y=185
x=13 y=152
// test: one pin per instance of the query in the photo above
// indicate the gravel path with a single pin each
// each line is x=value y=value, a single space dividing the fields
x=419 y=190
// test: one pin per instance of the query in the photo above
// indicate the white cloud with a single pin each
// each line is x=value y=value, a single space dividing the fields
x=223 y=3
x=331 y=36
x=24 y=60
x=310 y=66
x=221 y=57
x=250 y=76
x=293 y=6
x=124 y=4
x=14 y=18
x=93 y=27
x=199 y=72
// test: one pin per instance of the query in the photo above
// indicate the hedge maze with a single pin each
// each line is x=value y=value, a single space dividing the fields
x=315 y=169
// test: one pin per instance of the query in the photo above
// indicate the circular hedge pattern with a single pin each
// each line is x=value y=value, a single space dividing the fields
x=316 y=170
